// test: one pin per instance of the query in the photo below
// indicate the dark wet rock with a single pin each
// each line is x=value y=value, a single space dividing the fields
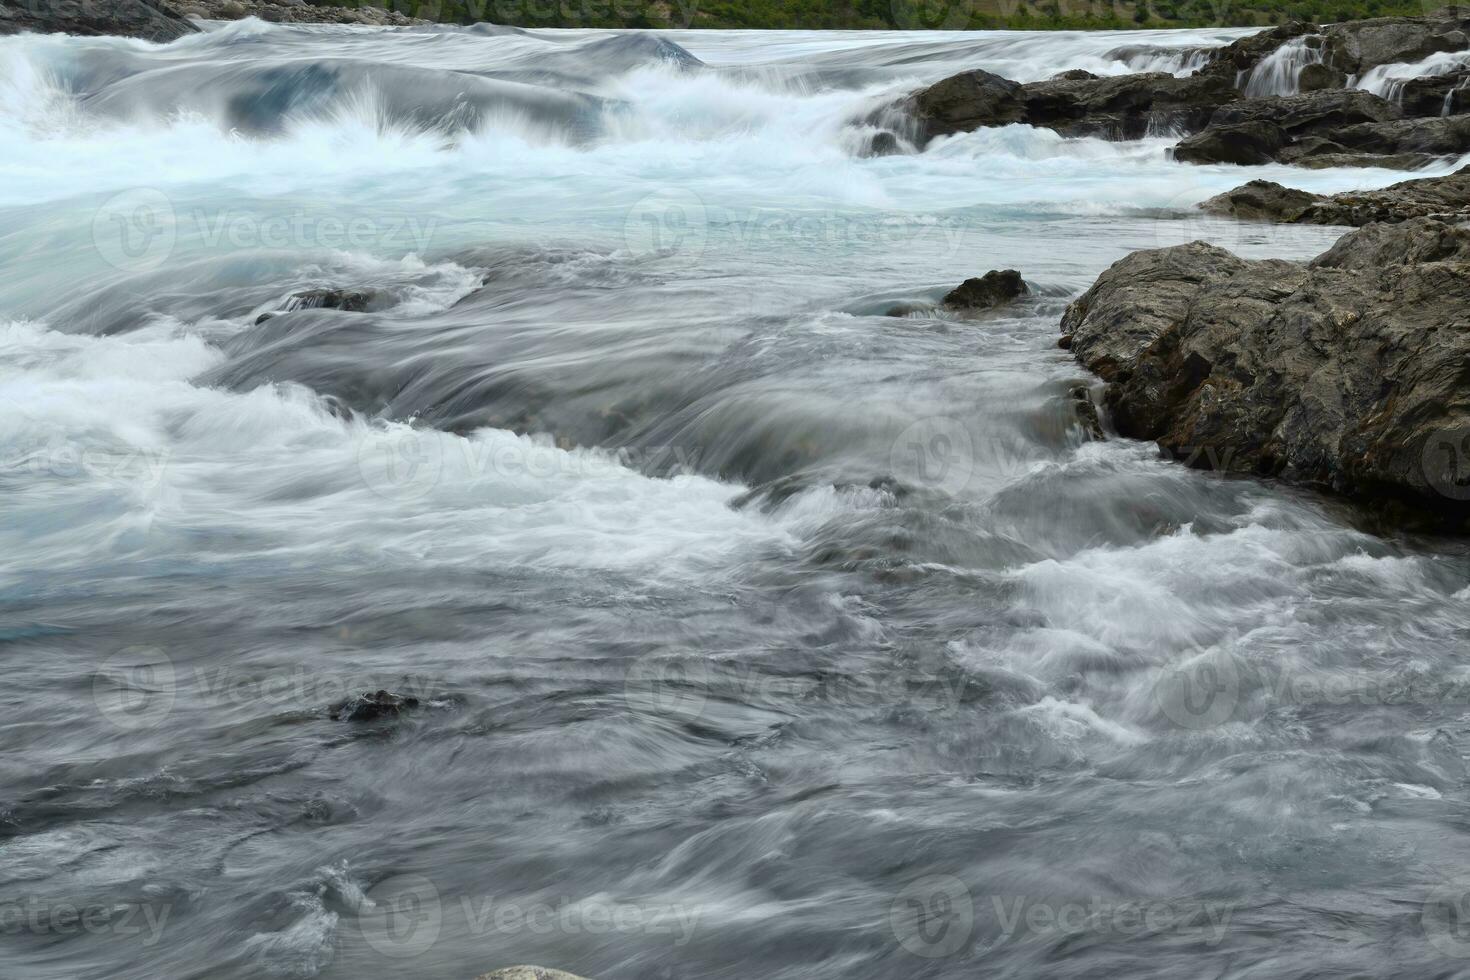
x=1245 y=144
x=372 y=707
x=151 y=20
x=968 y=101
x=1444 y=136
x=1086 y=409
x=1263 y=200
x=1309 y=113
x=1316 y=78
x=1321 y=129
x=1437 y=95
x=995 y=288
x=1125 y=106
x=1073 y=75
x=346 y=300
x=1350 y=372
x=1120 y=107
x=1065 y=341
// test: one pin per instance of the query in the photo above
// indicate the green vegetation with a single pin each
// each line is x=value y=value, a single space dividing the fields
x=891 y=14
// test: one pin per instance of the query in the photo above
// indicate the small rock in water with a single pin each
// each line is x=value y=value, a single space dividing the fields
x=346 y=300
x=1086 y=411
x=528 y=973
x=993 y=289
x=371 y=707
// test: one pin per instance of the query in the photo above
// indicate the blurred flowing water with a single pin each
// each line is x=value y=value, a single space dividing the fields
x=756 y=633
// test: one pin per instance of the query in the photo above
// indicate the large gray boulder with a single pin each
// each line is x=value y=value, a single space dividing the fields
x=966 y=102
x=151 y=20
x=1264 y=200
x=1350 y=372
x=1356 y=47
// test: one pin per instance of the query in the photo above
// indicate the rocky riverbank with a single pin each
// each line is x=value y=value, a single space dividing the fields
x=1350 y=373
x=1264 y=200
x=166 y=20
x=1299 y=94
x=151 y=20
x=295 y=12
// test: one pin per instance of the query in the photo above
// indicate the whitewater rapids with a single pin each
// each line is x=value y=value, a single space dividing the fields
x=757 y=634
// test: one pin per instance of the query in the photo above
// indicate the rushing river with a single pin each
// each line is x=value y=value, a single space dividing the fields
x=757 y=634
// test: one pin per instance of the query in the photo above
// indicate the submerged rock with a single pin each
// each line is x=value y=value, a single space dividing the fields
x=346 y=300
x=151 y=20
x=372 y=707
x=995 y=288
x=1350 y=372
x=881 y=144
x=528 y=973
x=1264 y=200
